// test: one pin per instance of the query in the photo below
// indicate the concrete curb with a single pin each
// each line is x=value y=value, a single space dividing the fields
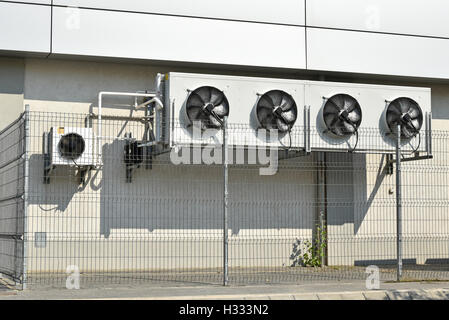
x=432 y=294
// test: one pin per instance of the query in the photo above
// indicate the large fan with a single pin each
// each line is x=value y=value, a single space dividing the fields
x=71 y=146
x=342 y=115
x=277 y=110
x=408 y=114
x=207 y=106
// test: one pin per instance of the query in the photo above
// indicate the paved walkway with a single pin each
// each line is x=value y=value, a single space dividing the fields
x=322 y=291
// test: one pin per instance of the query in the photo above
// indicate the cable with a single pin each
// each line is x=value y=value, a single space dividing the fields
x=417 y=148
x=78 y=166
x=412 y=126
x=356 y=141
x=345 y=118
x=290 y=141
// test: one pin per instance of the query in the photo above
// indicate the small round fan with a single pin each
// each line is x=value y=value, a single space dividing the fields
x=342 y=115
x=208 y=106
x=276 y=110
x=71 y=146
x=408 y=114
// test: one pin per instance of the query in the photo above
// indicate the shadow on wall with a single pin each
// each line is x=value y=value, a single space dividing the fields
x=56 y=196
x=187 y=199
x=351 y=189
x=361 y=182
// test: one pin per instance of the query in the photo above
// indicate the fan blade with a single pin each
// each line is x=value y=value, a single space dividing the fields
x=338 y=128
x=354 y=117
x=276 y=97
x=265 y=102
x=330 y=119
x=392 y=118
x=416 y=124
x=331 y=105
x=204 y=93
x=217 y=97
x=348 y=127
x=286 y=103
x=338 y=101
x=195 y=100
x=214 y=122
x=281 y=125
x=348 y=104
x=395 y=109
x=407 y=132
x=269 y=123
x=220 y=110
x=413 y=112
x=194 y=112
x=289 y=116
x=403 y=105
x=202 y=118
x=262 y=114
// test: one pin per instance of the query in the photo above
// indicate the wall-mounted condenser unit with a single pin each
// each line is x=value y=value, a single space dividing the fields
x=311 y=115
x=68 y=146
x=364 y=117
x=261 y=112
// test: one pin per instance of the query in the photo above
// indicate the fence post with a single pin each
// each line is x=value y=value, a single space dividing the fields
x=225 y=201
x=398 y=204
x=26 y=194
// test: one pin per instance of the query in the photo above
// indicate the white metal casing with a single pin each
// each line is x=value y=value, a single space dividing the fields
x=373 y=100
x=242 y=94
x=86 y=159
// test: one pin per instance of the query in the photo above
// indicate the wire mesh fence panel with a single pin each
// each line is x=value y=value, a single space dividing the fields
x=12 y=151
x=118 y=210
x=164 y=225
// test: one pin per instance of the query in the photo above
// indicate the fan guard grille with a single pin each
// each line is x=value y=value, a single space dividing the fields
x=276 y=110
x=207 y=105
x=342 y=115
x=408 y=113
x=71 y=146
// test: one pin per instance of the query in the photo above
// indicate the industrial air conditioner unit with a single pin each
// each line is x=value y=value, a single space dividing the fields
x=197 y=105
x=308 y=115
x=68 y=146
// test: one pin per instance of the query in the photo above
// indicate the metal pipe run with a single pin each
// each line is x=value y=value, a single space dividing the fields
x=152 y=95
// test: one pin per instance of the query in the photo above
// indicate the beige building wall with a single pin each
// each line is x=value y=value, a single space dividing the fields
x=12 y=72
x=93 y=227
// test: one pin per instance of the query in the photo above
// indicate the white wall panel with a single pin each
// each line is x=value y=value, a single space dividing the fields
x=280 y=11
x=417 y=17
x=25 y=27
x=31 y=1
x=156 y=37
x=364 y=52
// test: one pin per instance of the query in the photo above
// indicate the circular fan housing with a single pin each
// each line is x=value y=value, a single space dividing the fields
x=342 y=115
x=408 y=113
x=276 y=110
x=71 y=146
x=207 y=106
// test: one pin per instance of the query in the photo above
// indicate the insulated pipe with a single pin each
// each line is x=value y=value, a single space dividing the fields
x=122 y=94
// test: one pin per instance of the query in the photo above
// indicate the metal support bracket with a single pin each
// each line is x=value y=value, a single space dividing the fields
x=416 y=157
x=83 y=174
